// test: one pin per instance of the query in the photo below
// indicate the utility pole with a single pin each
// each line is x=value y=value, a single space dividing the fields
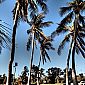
x=16 y=64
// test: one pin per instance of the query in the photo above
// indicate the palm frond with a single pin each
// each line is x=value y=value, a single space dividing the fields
x=45 y=24
x=82 y=34
x=62 y=26
x=40 y=16
x=39 y=60
x=4 y=42
x=43 y=5
x=32 y=7
x=44 y=46
x=29 y=31
x=81 y=19
x=43 y=56
x=20 y=10
x=64 y=10
x=48 y=57
x=6 y=36
x=83 y=6
x=1 y=1
x=60 y=29
x=62 y=44
x=81 y=51
x=5 y=29
x=67 y=19
x=81 y=44
x=81 y=40
x=72 y=3
x=77 y=50
x=68 y=58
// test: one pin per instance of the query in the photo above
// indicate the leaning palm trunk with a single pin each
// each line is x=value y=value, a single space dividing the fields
x=67 y=80
x=74 y=78
x=67 y=75
x=13 y=49
x=32 y=54
x=73 y=52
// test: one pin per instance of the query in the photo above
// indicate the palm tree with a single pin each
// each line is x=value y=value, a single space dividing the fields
x=74 y=10
x=36 y=33
x=80 y=44
x=53 y=73
x=24 y=75
x=20 y=12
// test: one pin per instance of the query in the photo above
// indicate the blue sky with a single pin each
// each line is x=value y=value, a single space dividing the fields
x=22 y=56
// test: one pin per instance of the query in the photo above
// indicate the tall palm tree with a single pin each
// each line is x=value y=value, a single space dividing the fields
x=74 y=10
x=80 y=44
x=19 y=12
x=36 y=34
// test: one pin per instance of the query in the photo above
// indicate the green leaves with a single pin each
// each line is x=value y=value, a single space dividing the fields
x=64 y=10
x=62 y=44
x=5 y=35
x=44 y=46
x=43 y=5
x=20 y=10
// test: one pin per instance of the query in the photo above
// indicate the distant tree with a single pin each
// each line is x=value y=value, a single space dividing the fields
x=69 y=75
x=53 y=73
x=3 y=79
x=24 y=76
x=36 y=74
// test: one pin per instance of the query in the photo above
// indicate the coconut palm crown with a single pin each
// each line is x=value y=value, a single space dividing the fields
x=36 y=33
x=37 y=24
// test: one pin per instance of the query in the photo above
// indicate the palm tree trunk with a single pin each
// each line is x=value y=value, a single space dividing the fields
x=73 y=67
x=73 y=51
x=67 y=80
x=13 y=49
x=67 y=75
x=32 y=54
x=12 y=55
x=39 y=60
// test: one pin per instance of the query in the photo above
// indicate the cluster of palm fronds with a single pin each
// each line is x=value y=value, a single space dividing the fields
x=45 y=45
x=22 y=6
x=75 y=8
x=5 y=37
x=37 y=24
